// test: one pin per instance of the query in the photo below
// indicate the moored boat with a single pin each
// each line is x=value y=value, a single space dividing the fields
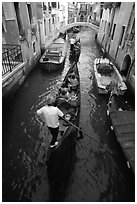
x=123 y=123
x=54 y=56
x=107 y=77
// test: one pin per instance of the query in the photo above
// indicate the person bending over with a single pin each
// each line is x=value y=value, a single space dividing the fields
x=50 y=114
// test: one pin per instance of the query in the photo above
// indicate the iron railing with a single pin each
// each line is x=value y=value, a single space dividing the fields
x=11 y=57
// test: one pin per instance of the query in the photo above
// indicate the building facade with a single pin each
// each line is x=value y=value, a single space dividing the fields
x=50 y=20
x=117 y=37
x=27 y=27
x=72 y=12
x=20 y=43
x=20 y=27
x=89 y=12
x=95 y=13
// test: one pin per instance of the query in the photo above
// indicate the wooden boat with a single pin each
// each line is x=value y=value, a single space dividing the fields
x=123 y=123
x=60 y=159
x=107 y=76
x=75 y=54
x=54 y=56
x=76 y=29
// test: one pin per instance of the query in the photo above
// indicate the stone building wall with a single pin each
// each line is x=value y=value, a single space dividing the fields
x=116 y=28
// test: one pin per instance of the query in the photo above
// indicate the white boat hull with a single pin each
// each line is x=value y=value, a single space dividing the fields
x=104 y=79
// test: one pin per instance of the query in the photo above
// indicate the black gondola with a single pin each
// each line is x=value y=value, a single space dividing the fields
x=60 y=158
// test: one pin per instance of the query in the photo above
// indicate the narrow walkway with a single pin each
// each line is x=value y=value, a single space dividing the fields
x=124 y=126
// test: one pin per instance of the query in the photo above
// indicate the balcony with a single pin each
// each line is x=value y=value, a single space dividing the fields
x=11 y=57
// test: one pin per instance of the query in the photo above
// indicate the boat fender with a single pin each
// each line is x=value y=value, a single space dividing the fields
x=128 y=164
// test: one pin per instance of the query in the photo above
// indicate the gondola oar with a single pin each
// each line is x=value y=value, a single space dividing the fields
x=103 y=148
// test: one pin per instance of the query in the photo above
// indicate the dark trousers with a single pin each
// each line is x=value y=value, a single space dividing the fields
x=54 y=133
x=71 y=47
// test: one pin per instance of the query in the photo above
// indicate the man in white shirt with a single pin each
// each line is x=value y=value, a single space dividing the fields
x=72 y=42
x=50 y=114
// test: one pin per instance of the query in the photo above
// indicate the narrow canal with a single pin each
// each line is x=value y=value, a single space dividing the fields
x=96 y=177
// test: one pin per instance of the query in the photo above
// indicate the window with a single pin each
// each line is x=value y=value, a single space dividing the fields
x=49 y=26
x=45 y=26
x=101 y=12
x=122 y=34
x=34 y=47
x=30 y=12
x=109 y=30
x=132 y=34
x=53 y=4
x=53 y=20
x=104 y=26
x=4 y=26
x=114 y=27
x=3 y=30
x=44 y=7
x=3 y=21
x=17 y=11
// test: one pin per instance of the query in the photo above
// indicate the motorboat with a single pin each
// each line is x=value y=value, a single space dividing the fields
x=108 y=77
x=54 y=56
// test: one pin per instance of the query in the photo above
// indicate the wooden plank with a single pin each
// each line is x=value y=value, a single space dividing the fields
x=130 y=135
x=122 y=117
x=123 y=129
x=124 y=126
x=130 y=154
x=125 y=140
x=132 y=163
x=128 y=145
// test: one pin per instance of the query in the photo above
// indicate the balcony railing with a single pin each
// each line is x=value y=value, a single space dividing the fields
x=11 y=57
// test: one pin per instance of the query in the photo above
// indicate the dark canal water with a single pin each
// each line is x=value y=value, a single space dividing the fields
x=96 y=176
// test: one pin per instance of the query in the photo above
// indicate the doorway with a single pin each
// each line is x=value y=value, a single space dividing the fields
x=126 y=65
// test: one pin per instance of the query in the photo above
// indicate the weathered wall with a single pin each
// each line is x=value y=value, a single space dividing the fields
x=123 y=15
x=13 y=80
x=30 y=44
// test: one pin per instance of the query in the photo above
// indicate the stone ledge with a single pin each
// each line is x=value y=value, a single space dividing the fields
x=16 y=69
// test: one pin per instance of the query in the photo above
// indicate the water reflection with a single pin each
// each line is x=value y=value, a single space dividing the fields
x=96 y=176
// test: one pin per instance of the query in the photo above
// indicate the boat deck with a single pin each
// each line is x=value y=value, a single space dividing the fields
x=107 y=76
x=124 y=126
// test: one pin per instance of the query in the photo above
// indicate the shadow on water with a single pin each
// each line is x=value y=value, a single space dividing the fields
x=122 y=178
x=22 y=175
x=94 y=177
x=60 y=167
x=97 y=177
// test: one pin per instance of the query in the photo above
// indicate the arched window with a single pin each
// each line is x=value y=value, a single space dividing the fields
x=126 y=65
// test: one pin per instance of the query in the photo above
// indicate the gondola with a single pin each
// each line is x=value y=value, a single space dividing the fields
x=75 y=53
x=107 y=76
x=60 y=159
x=123 y=123
x=54 y=56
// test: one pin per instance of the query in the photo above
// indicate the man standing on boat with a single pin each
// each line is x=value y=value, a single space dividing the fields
x=72 y=42
x=50 y=115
